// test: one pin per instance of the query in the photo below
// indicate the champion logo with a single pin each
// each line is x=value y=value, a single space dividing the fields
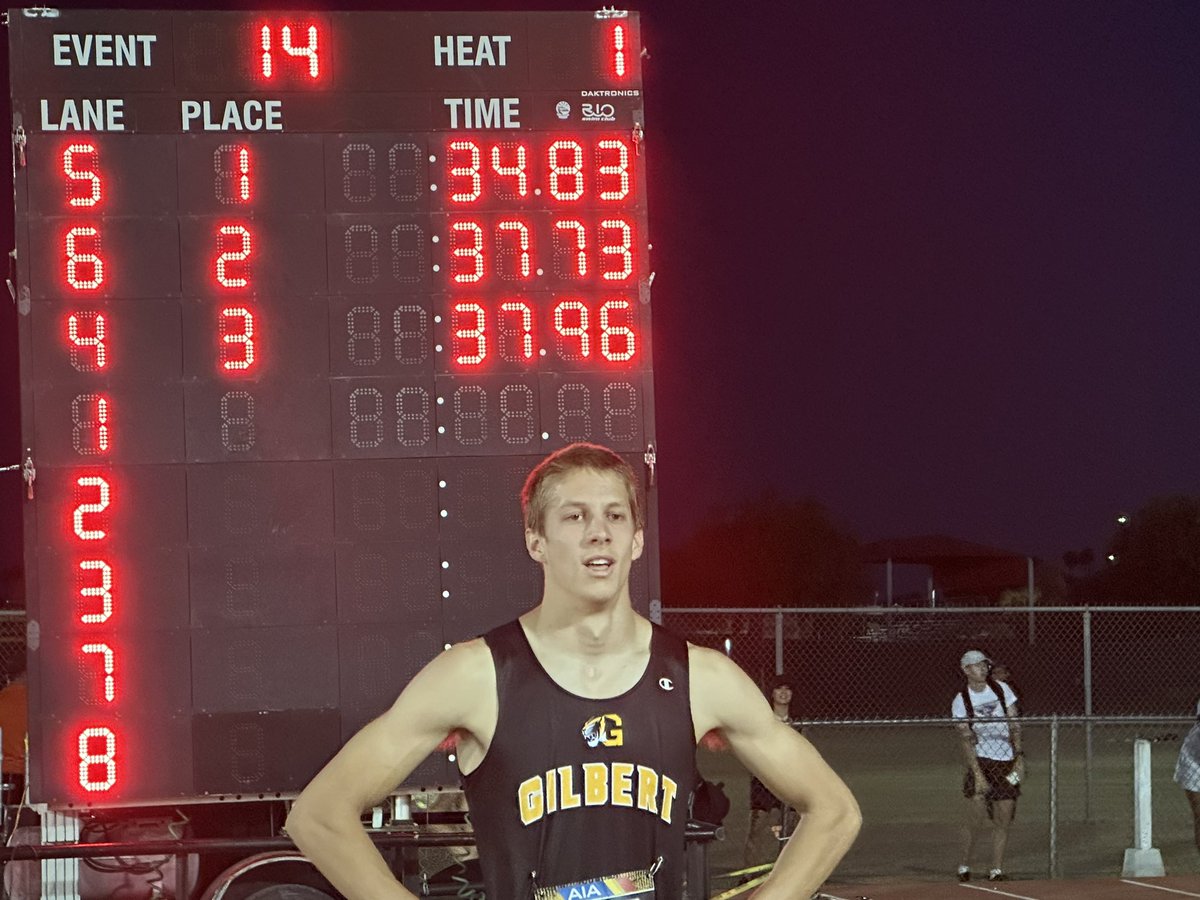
x=666 y=684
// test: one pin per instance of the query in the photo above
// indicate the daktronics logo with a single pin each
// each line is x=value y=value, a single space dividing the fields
x=598 y=112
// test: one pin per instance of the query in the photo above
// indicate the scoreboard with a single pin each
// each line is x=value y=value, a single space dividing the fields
x=302 y=297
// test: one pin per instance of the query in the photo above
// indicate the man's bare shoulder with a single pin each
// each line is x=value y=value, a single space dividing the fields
x=706 y=663
x=722 y=695
x=451 y=691
x=464 y=667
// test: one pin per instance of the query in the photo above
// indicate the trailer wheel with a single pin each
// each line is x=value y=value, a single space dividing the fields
x=270 y=876
x=288 y=892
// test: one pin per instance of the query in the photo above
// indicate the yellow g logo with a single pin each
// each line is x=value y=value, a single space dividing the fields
x=605 y=729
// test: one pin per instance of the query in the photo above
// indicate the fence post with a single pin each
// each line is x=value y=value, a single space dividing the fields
x=779 y=642
x=1032 y=630
x=1054 y=796
x=1087 y=711
x=1143 y=859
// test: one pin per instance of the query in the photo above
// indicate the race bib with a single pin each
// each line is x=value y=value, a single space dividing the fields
x=627 y=884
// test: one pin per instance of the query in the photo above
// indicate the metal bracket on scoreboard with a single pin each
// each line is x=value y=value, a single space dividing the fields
x=11 y=280
x=28 y=472
x=20 y=139
x=40 y=12
x=650 y=457
x=611 y=12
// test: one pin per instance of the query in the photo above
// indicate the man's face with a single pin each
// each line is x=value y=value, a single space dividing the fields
x=782 y=695
x=589 y=540
x=977 y=673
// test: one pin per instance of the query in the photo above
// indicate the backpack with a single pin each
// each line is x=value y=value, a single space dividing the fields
x=999 y=692
x=709 y=803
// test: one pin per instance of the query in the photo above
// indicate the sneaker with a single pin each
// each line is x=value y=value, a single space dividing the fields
x=997 y=875
x=964 y=873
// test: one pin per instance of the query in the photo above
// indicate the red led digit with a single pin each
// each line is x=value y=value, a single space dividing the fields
x=236 y=237
x=579 y=312
x=612 y=178
x=308 y=51
x=475 y=334
x=79 y=162
x=616 y=262
x=626 y=345
x=86 y=332
x=515 y=263
x=237 y=338
x=89 y=418
x=108 y=664
x=231 y=174
x=85 y=266
x=515 y=171
x=570 y=245
x=467 y=252
x=268 y=60
x=525 y=330
x=103 y=495
x=89 y=759
x=617 y=54
x=565 y=161
x=103 y=590
x=469 y=184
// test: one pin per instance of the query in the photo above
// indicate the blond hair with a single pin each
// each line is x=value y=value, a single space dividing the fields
x=535 y=495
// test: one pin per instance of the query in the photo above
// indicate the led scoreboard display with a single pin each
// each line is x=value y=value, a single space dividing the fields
x=302 y=297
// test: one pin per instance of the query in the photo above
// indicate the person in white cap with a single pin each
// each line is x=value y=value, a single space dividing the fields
x=991 y=742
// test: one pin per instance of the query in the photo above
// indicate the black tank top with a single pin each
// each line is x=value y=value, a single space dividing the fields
x=576 y=789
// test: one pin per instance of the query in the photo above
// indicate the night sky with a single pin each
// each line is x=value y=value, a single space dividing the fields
x=935 y=264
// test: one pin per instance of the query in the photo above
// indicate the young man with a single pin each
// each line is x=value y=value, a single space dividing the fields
x=576 y=727
x=991 y=743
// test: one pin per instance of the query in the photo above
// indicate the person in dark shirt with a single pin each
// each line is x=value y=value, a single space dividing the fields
x=576 y=727
x=767 y=810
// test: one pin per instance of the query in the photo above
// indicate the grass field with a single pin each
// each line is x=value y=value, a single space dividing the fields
x=908 y=782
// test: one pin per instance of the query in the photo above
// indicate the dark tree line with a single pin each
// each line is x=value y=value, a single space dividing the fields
x=1152 y=559
x=768 y=552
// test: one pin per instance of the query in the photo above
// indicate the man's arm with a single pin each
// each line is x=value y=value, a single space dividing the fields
x=1014 y=723
x=457 y=690
x=724 y=697
x=968 y=740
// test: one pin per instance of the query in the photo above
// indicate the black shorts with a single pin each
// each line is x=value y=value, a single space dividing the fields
x=995 y=771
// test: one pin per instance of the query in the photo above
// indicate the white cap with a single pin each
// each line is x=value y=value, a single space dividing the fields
x=971 y=657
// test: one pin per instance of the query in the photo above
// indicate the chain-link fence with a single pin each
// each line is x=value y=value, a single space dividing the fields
x=873 y=689
x=899 y=663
